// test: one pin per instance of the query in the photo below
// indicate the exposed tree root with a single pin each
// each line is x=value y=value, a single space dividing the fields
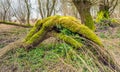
x=11 y=46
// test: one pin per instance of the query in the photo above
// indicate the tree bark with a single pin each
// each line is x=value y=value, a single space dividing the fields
x=83 y=8
x=28 y=12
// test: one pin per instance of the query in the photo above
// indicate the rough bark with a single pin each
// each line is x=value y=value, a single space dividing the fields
x=83 y=8
x=28 y=12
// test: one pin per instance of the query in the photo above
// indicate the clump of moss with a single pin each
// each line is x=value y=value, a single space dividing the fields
x=69 y=40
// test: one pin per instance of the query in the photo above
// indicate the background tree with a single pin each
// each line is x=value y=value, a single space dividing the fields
x=27 y=3
x=20 y=10
x=83 y=7
x=68 y=9
x=5 y=10
x=46 y=7
x=106 y=8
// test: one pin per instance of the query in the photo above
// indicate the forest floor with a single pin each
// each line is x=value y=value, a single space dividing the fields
x=8 y=34
x=111 y=41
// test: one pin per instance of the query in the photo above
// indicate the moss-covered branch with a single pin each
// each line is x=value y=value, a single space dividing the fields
x=42 y=27
x=68 y=40
x=15 y=24
x=67 y=22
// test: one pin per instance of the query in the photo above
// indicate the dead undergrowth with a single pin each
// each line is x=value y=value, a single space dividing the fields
x=111 y=41
x=10 y=34
x=9 y=63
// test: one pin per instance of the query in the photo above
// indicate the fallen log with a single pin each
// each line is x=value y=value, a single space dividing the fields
x=15 y=24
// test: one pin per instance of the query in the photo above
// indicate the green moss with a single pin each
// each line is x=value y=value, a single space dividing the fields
x=80 y=29
x=68 y=40
x=69 y=23
x=39 y=36
x=40 y=22
x=37 y=27
x=89 y=21
x=102 y=15
x=30 y=34
x=33 y=30
x=99 y=16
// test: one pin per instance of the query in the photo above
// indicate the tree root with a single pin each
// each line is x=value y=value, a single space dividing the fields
x=11 y=46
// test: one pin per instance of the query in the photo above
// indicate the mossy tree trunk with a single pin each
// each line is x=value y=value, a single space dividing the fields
x=103 y=13
x=39 y=32
x=106 y=8
x=84 y=11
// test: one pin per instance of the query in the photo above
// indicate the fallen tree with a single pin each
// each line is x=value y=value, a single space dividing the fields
x=49 y=27
x=15 y=24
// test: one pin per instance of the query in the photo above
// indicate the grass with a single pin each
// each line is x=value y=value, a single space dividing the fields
x=54 y=58
x=118 y=34
x=102 y=35
x=59 y=57
x=10 y=35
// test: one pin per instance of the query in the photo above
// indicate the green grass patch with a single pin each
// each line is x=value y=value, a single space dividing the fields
x=54 y=58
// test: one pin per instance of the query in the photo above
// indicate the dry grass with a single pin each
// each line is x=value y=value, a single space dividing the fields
x=73 y=61
x=111 y=41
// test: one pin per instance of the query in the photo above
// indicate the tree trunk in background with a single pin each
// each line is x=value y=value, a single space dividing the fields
x=106 y=8
x=84 y=11
x=4 y=16
x=28 y=12
x=46 y=7
x=103 y=12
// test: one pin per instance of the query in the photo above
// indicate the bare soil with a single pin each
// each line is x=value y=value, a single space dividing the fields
x=10 y=34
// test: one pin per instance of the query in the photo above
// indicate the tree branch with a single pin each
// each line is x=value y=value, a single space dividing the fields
x=15 y=24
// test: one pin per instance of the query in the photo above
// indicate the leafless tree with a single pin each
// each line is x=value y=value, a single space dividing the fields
x=20 y=11
x=107 y=7
x=5 y=9
x=46 y=7
x=27 y=3
x=68 y=8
